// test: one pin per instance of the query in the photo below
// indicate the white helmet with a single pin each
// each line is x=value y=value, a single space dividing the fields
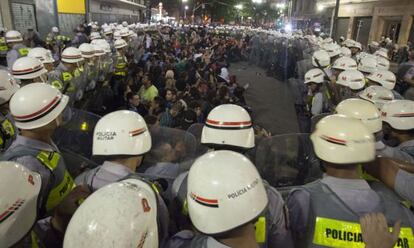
x=399 y=114
x=348 y=42
x=228 y=125
x=323 y=58
x=120 y=44
x=72 y=55
x=355 y=44
x=342 y=140
x=19 y=189
x=99 y=50
x=125 y=24
x=117 y=35
x=382 y=54
x=42 y=54
x=383 y=63
x=314 y=76
x=345 y=52
x=121 y=132
x=36 y=105
x=122 y=214
x=218 y=202
x=13 y=36
x=55 y=30
x=8 y=86
x=367 y=65
x=87 y=50
x=332 y=49
x=352 y=79
x=28 y=68
x=345 y=63
x=363 y=111
x=386 y=79
x=95 y=35
x=105 y=46
x=378 y=95
x=124 y=32
x=107 y=30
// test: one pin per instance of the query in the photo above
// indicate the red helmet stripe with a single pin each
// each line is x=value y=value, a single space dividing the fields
x=46 y=108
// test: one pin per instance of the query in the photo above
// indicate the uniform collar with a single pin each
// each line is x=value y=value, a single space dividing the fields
x=39 y=145
x=116 y=168
x=62 y=67
x=407 y=143
x=335 y=182
x=212 y=243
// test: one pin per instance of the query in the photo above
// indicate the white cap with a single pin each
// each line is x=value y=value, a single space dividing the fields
x=71 y=55
x=225 y=191
x=28 y=68
x=121 y=214
x=120 y=44
x=19 y=190
x=377 y=95
x=352 y=79
x=332 y=49
x=314 y=76
x=8 y=86
x=42 y=54
x=399 y=114
x=362 y=110
x=121 y=132
x=386 y=79
x=228 y=125
x=342 y=140
x=36 y=105
x=345 y=63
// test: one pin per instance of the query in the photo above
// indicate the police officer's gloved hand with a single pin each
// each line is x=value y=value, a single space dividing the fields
x=64 y=211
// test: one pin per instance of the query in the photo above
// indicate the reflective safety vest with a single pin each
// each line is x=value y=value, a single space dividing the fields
x=8 y=132
x=61 y=182
x=3 y=46
x=333 y=224
x=121 y=65
x=23 y=51
x=65 y=84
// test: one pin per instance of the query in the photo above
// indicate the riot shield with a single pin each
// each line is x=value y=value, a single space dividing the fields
x=173 y=151
x=196 y=130
x=74 y=139
x=316 y=118
x=285 y=161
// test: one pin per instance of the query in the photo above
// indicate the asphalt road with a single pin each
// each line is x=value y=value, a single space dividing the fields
x=271 y=100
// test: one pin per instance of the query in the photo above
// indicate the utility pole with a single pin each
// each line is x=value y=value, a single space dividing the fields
x=334 y=29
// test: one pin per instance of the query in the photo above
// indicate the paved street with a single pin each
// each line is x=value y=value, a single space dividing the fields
x=270 y=99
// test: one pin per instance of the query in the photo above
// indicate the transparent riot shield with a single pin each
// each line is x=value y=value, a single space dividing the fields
x=173 y=151
x=74 y=140
x=316 y=118
x=196 y=130
x=285 y=161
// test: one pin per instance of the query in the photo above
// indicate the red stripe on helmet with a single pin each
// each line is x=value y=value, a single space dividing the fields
x=41 y=111
x=229 y=123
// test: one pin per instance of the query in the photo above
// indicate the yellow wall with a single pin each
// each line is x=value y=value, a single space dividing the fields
x=71 y=6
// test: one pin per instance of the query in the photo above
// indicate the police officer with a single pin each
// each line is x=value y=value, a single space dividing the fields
x=368 y=65
x=37 y=111
x=230 y=127
x=317 y=98
x=56 y=42
x=8 y=131
x=88 y=67
x=45 y=56
x=386 y=79
x=225 y=215
x=3 y=47
x=122 y=138
x=120 y=60
x=17 y=50
x=398 y=118
x=137 y=226
x=66 y=77
x=326 y=212
x=29 y=70
x=351 y=83
x=378 y=95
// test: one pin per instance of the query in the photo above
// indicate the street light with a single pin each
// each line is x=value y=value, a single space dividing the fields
x=320 y=7
x=239 y=6
x=184 y=1
x=185 y=11
x=257 y=1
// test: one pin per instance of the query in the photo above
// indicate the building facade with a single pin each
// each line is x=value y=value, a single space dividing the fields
x=362 y=20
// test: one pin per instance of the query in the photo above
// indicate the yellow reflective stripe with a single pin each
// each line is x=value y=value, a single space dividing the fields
x=34 y=239
x=77 y=73
x=3 y=48
x=23 y=51
x=57 y=85
x=184 y=209
x=8 y=127
x=343 y=234
x=58 y=193
x=66 y=76
x=260 y=227
x=120 y=73
x=49 y=159
x=364 y=175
